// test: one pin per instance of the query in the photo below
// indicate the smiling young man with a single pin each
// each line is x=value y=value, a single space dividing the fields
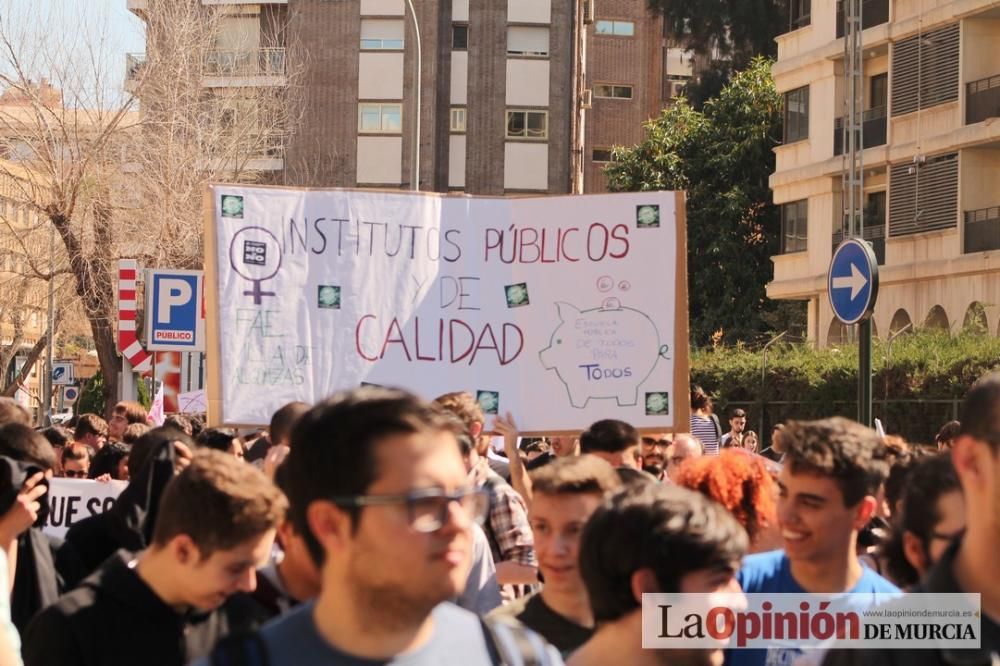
x=832 y=472
x=165 y=606
x=378 y=489
x=566 y=493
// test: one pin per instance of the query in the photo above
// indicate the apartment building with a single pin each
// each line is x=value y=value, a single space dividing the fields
x=931 y=154
x=516 y=96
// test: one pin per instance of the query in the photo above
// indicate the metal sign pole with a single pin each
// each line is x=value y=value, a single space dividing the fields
x=865 y=372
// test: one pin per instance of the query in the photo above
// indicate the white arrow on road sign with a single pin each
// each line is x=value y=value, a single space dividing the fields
x=856 y=281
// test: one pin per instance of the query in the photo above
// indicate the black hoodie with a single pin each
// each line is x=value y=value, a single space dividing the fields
x=114 y=618
x=129 y=523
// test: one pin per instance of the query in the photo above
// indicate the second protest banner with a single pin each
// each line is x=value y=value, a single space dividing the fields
x=561 y=310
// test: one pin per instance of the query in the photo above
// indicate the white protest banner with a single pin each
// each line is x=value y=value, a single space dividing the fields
x=72 y=500
x=192 y=402
x=562 y=310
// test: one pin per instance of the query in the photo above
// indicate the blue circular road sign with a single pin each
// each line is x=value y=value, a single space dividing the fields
x=853 y=281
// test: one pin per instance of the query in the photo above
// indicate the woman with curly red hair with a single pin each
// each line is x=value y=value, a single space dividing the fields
x=741 y=482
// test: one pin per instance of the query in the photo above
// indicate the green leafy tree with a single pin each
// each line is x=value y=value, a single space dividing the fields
x=737 y=29
x=728 y=33
x=722 y=156
x=92 y=396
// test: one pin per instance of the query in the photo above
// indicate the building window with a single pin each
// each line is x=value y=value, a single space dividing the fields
x=381 y=35
x=612 y=91
x=796 y=115
x=602 y=155
x=794 y=236
x=879 y=96
x=458 y=119
x=799 y=14
x=527 y=41
x=527 y=124
x=459 y=37
x=617 y=28
x=380 y=118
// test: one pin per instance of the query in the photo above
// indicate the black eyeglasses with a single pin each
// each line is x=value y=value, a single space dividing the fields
x=74 y=474
x=427 y=509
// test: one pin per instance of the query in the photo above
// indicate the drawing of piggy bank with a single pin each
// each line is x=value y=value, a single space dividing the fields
x=605 y=352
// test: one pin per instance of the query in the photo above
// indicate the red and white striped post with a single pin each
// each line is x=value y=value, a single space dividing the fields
x=135 y=357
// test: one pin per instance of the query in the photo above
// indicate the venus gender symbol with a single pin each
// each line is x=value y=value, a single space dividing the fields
x=255 y=255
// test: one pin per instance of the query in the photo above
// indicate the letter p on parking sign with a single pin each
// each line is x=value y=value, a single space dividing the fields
x=174 y=313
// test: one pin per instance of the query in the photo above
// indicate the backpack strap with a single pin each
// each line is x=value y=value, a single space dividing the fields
x=718 y=428
x=512 y=644
x=241 y=650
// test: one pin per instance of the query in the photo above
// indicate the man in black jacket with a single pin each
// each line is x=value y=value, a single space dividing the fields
x=168 y=604
x=153 y=461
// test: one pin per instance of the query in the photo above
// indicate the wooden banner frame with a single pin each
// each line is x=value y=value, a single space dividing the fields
x=680 y=401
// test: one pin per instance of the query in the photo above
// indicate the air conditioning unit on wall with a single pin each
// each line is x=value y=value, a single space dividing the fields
x=588 y=11
x=587 y=99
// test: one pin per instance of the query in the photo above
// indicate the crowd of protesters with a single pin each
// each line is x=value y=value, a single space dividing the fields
x=377 y=528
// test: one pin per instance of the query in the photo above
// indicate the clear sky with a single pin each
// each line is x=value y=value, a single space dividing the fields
x=106 y=26
x=125 y=29
x=125 y=24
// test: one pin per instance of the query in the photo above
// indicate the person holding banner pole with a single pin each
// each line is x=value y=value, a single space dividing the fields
x=519 y=479
x=506 y=525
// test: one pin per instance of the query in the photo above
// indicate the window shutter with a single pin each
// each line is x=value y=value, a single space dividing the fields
x=923 y=197
x=925 y=70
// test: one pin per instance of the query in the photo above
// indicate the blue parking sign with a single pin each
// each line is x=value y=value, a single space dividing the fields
x=174 y=314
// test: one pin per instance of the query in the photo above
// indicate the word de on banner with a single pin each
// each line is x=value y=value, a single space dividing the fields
x=560 y=310
x=72 y=500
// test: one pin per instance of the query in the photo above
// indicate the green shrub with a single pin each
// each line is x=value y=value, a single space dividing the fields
x=915 y=391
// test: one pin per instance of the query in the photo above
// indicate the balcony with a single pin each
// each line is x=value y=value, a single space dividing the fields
x=269 y=62
x=873 y=13
x=982 y=99
x=246 y=153
x=873 y=123
x=135 y=63
x=875 y=235
x=874 y=231
x=982 y=229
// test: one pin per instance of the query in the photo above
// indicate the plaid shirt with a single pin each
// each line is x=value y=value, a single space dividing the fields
x=507 y=523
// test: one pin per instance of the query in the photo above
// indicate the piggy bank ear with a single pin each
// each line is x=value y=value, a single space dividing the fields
x=567 y=311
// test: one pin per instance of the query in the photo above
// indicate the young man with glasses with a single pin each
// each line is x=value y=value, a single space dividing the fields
x=378 y=490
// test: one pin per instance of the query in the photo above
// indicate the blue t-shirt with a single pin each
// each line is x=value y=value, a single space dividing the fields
x=771 y=572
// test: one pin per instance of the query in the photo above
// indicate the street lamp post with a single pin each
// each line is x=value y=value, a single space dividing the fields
x=415 y=176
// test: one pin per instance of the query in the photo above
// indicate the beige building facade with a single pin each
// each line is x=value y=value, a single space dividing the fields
x=931 y=161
